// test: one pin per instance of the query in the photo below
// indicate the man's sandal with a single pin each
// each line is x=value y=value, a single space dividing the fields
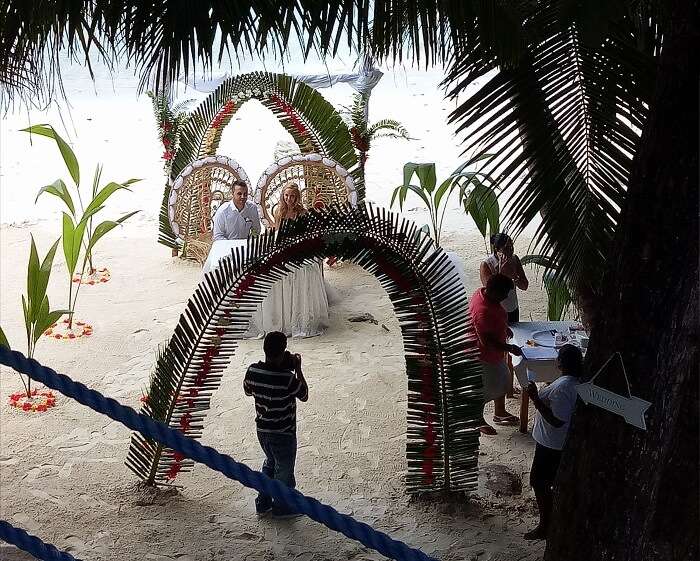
x=507 y=421
x=487 y=430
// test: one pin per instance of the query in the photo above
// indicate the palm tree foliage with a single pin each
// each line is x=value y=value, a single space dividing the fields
x=562 y=116
x=363 y=132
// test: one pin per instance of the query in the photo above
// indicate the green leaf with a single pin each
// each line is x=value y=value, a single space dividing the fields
x=58 y=188
x=540 y=260
x=27 y=318
x=33 y=297
x=445 y=187
x=104 y=194
x=70 y=252
x=483 y=207
x=96 y=179
x=44 y=272
x=394 y=128
x=427 y=176
x=46 y=319
x=68 y=154
x=103 y=227
x=558 y=296
x=3 y=339
x=397 y=193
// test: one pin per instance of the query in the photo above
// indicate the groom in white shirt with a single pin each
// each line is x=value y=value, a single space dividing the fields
x=236 y=220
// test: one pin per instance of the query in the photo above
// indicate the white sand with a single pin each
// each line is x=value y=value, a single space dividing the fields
x=62 y=475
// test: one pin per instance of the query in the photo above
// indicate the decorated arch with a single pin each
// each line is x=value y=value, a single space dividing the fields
x=306 y=115
x=444 y=376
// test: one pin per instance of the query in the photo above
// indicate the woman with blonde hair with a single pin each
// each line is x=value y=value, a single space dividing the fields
x=297 y=305
x=290 y=206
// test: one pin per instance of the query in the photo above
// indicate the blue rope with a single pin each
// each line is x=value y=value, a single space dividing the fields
x=32 y=544
x=295 y=500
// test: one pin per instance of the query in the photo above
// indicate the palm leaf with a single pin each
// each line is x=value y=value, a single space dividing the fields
x=66 y=152
x=3 y=339
x=390 y=128
x=105 y=193
x=58 y=189
x=574 y=110
x=105 y=227
x=558 y=296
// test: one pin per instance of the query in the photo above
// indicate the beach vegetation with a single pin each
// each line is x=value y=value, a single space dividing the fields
x=38 y=315
x=363 y=133
x=79 y=233
x=476 y=191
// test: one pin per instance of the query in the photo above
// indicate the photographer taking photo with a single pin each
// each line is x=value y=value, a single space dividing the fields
x=275 y=384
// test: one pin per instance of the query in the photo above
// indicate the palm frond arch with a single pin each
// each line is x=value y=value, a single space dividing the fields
x=444 y=375
x=306 y=115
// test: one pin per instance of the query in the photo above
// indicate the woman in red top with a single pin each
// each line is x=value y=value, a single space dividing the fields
x=491 y=325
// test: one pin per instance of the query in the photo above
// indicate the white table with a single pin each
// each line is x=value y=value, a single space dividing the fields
x=533 y=370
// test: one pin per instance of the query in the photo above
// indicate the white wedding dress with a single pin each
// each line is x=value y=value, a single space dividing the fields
x=296 y=305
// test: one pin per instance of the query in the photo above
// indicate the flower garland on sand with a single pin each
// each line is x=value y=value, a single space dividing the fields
x=97 y=277
x=60 y=330
x=39 y=401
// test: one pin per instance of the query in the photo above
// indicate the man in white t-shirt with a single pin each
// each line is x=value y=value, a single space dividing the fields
x=555 y=406
x=237 y=219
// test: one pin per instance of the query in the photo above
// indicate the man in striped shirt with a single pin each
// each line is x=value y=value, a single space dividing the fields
x=276 y=384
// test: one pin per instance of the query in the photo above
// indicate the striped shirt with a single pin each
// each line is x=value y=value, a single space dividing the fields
x=275 y=391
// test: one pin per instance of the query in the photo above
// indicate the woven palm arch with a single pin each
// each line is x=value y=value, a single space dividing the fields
x=323 y=182
x=444 y=375
x=314 y=124
x=195 y=196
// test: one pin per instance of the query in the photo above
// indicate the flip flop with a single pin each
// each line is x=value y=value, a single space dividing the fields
x=509 y=420
x=488 y=430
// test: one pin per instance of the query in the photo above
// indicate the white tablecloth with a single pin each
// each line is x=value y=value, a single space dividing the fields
x=535 y=370
x=219 y=250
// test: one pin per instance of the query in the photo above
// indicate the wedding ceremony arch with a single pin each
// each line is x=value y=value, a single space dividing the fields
x=445 y=399
x=314 y=124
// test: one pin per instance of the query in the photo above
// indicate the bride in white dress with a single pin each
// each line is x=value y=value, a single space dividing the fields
x=297 y=305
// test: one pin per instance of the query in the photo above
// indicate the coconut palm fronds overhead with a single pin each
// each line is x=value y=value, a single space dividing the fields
x=161 y=39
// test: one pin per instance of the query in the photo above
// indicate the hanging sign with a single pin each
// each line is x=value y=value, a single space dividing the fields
x=631 y=408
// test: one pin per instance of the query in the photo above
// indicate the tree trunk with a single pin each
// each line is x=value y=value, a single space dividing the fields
x=623 y=493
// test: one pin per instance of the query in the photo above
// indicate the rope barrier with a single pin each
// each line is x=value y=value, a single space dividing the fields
x=32 y=544
x=295 y=500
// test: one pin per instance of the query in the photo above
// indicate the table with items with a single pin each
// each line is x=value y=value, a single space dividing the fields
x=540 y=342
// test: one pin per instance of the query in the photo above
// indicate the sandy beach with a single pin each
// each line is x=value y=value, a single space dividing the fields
x=62 y=473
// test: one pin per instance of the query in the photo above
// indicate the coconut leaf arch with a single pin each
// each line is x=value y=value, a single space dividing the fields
x=305 y=114
x=444 y=376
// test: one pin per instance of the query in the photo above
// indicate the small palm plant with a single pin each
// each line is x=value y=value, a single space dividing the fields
x=363 y=133
x=559 y=296
x=78 y=229
x=38 y=315
x=476 y=194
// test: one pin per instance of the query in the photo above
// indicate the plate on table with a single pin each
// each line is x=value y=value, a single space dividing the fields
x=545 y=338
